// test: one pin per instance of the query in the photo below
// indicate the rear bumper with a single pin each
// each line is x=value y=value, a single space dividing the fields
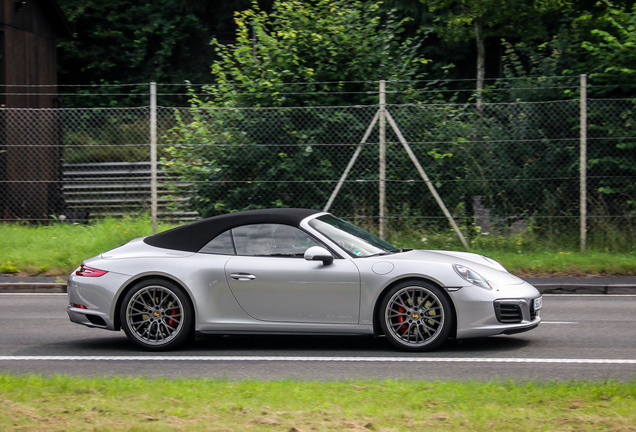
x=89 y=318
x=97 y=296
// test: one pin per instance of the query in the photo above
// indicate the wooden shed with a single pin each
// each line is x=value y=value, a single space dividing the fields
x=30 y=138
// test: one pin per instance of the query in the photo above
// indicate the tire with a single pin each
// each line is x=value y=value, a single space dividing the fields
x=416 y=316
x=157 y=315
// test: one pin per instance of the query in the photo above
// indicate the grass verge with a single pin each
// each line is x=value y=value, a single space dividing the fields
x=57 y=403
x=57 y=249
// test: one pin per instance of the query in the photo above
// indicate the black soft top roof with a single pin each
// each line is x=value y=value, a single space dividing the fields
x=192 y=237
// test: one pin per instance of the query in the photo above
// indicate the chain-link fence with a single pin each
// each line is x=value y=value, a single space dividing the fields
x=497 y=165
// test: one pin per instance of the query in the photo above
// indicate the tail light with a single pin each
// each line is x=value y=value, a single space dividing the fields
x=89 y=272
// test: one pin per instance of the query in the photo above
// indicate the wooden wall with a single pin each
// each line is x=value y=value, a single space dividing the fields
x=30 y=145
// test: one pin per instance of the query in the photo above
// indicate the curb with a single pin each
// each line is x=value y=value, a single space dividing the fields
x=548 y=288
x=33 y=288
x=586 y=289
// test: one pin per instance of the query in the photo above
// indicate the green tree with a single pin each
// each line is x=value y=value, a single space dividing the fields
x=613 y=48
x=611 y=45
x=461 y=20
x=303 y=54
x=331 y=45
x=124 y=42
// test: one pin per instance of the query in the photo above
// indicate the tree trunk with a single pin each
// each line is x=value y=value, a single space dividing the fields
x=481 y=72
x=481 y=63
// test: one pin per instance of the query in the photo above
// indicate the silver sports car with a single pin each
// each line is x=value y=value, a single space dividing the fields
x=295 y=271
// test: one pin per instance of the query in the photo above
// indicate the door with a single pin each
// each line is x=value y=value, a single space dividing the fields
x=272 y=281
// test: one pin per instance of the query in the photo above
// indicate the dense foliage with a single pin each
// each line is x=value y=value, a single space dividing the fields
x=266 y=57
x=125 y=42
x=493 y=150
x=334 y=51
x=121 y=41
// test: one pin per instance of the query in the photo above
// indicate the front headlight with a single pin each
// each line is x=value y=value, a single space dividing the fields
x=471 y=276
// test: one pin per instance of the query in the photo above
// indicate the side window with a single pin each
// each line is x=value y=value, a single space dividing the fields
x=291 y=242
x=221 y=244
x=253 y=240
x=273 y=240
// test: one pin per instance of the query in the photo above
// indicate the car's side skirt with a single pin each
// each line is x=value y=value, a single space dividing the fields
x=286 y=329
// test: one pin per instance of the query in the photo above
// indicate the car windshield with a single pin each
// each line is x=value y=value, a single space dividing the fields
x=356 y=241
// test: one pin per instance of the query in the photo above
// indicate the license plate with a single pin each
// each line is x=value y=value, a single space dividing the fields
x=538 y=303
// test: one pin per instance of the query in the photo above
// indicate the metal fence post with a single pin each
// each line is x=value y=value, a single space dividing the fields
x=382 y=156
x=153 y=155
x=583 y=162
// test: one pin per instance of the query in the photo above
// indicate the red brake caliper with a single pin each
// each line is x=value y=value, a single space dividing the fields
x=172 y=322
x=400 y=319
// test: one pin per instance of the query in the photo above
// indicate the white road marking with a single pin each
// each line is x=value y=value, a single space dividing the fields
x=544 y=295
x=588 y=295
x=319 y=359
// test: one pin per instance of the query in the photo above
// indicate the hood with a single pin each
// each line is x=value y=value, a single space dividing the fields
x=486 y=267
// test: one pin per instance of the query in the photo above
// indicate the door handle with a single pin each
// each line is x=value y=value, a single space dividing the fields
x=242 y=276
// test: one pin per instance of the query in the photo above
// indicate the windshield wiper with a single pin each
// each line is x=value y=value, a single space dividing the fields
x=381 y=253
x=390 y=252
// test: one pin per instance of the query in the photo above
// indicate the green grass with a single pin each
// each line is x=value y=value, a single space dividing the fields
x=57 y=249
x=62 y=403
x=566 y=263
x=535 y=254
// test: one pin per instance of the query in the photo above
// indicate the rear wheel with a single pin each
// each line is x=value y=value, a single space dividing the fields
x=416 y=316
x=157 y=315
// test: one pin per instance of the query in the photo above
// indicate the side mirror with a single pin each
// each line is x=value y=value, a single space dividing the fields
x=317 y=253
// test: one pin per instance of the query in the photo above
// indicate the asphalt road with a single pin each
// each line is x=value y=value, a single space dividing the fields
x=582 y=337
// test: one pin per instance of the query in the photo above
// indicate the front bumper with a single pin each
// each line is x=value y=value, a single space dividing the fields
x=505 y=310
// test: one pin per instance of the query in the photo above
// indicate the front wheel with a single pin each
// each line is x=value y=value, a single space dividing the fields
x=157 y=315
x=416 y=316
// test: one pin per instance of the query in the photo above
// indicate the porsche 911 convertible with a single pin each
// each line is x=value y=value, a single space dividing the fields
x=295 y=271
